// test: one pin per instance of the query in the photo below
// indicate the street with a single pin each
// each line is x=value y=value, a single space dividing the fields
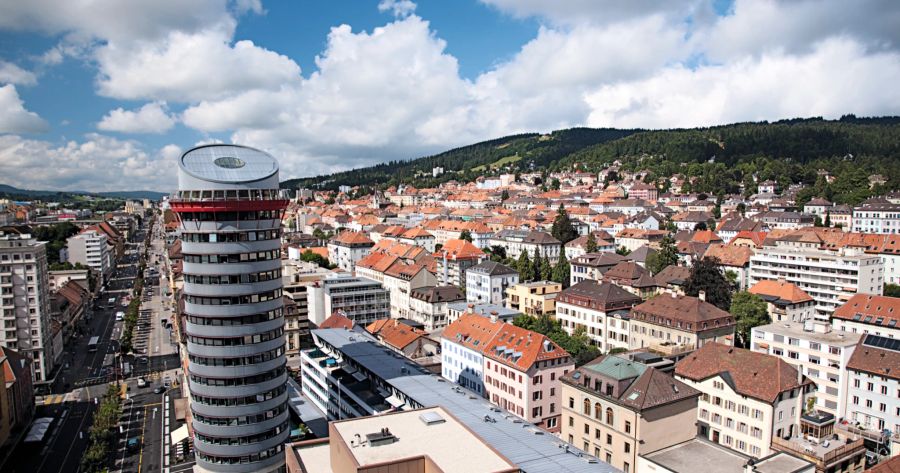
x=84 y=378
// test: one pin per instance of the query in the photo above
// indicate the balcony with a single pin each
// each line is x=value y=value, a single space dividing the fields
x=823 y=454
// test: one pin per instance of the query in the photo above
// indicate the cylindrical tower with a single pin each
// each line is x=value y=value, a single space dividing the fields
x=230 y=211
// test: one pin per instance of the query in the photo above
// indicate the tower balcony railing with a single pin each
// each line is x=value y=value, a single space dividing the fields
x=227 y=195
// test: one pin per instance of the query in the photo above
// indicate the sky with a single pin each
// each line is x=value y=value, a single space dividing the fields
x=102 y=95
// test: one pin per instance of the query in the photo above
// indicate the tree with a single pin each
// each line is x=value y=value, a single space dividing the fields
x=891 y=290
x=546 y=270
x=622 y=251
x=504 y=195
x=465 y=235
x=749 y=311
x=554 y=184
x=525 y=267
x=497 y=252
x=591 y=245
x=562 y=229
x=561 y=270
x=311 y=257
x=706 y=276
x=827 y=219
x=818 y=221
x=701 y=226
x=667 y=255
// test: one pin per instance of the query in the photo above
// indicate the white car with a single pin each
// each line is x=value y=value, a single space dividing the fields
x=142 y=383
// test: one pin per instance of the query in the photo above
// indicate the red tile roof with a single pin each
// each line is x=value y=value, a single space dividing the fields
x=459 y=249
x=873 y=310
x=757 y=375
x=337 y=320
x=782 y=290
x=352 y=238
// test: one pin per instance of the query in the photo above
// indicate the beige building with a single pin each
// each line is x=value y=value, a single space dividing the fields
x=533 y=298
x=671 y=323
x=602 y=309
x=748 y=398
x=785 y=301
x=419 y=441
x=616 y=409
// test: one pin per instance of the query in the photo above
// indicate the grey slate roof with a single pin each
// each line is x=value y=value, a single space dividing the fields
x=531 y=449
x=492 y=268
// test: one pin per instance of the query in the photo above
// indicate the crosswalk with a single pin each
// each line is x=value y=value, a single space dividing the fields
x=50 y=399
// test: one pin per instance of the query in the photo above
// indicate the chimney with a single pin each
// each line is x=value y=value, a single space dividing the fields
x=494 y=315
x=702 y=296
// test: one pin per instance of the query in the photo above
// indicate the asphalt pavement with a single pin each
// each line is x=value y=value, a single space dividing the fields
x=71 y=404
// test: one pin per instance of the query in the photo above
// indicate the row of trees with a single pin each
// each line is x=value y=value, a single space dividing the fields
x=578 y=344
x=102 y=433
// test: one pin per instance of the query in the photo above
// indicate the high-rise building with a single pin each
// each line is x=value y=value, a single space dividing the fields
x=25 y=301
x=91 y=248
x=229 y=210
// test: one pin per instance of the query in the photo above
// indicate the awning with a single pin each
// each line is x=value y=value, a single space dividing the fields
x=395 y=401
x=179 y=434
x=764 y=346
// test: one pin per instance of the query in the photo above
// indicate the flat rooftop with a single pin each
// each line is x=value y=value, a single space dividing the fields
x=795 y=329
x=700 y=456
x=442 y=440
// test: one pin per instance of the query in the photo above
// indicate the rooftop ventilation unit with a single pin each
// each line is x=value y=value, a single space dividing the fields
x=382 y=437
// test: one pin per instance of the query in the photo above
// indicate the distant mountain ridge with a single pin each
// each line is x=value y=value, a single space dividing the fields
x=14 y=192
x=799 y=140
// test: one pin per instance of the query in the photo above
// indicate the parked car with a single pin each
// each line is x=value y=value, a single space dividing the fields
x=141 y=383
x=159 y=390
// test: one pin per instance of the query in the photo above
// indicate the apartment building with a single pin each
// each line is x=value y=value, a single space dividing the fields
x=400 y=280
x=533 y=298
x=602 y=309
x=531 y=242
x=867 y=314
x=748 y=398
x=25 y=302
x=876 y=217
x=830 y=278
x=296 y=324
x=362 y=300
x=874 y=385
x=91 y=249
x=347 y=248
x=818 y=351
x=785 y=302
x=19 y=389
x=488 y=281
x=429 y=305
x=616 y=409
x=454 y=259
x=593 y=266
x=673 y=323
x=521 y=369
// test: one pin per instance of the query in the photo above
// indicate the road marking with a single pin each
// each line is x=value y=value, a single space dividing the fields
x=141 y=452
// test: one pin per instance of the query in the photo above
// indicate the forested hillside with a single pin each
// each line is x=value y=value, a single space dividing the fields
x=721 y=157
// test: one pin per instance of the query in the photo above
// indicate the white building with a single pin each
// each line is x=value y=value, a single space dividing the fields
x=867 y=314
x=532 y=242
x=487 y=282
x=25 y=302
x=819 y=352
x=744 y=409
x=91 y=248
x=347 y=248
x=602 y=309
x=400 y=279
x=361 y=300
x=878 y=217
x=831 y=278
x=429 y=305
x=874 y=387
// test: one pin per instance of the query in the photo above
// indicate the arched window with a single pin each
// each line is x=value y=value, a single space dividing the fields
x=598 y=411
x=609 y=415
x=587 y=407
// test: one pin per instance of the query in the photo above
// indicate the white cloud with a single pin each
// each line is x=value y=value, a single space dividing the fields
x=599 y=12
x=151 y=118
x=14 y=118
x=836 y=78
x=400 y=8
x=98 y=163
x=190 y=67
x=13 y=74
